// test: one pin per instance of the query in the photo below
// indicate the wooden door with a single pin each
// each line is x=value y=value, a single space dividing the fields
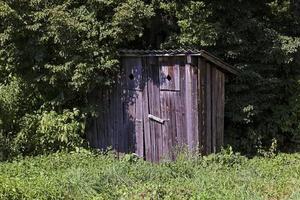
x=170 y=109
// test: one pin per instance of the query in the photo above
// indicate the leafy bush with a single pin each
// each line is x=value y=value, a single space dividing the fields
x=15 y=99
x=49 y=132
x=85 y=175
x=52 y=55
x=259 y=37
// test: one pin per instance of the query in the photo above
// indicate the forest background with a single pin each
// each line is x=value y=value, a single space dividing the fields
x=54 y=53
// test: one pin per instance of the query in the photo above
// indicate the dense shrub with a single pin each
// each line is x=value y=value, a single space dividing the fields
x=85 y=175
x=52 y=55
x=260 y=37
x=44 y=132
x=49 y=132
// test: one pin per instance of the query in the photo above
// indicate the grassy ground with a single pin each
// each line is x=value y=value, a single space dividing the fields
x=88 y=176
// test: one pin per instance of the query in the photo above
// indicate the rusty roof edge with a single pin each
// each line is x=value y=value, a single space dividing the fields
x=219 y=62
x=158 y=52
x=181 y=52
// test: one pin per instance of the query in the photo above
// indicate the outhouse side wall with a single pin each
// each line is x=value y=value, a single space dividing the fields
x=211 y=100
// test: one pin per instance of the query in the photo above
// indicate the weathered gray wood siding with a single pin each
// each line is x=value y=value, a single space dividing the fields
x=211 y=93
x=160 y=105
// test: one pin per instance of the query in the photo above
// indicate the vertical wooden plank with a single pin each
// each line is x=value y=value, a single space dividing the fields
x=208 y=109
x=214 y=85
x=188 y=106
x=101 y=122
x=131 y=121
x=121 y=138
x=202 y=71
x=154 y=108
x=172 y=119
x=151 y=111
x=123 y=110
x=127 y=86
x=110 y=117
x=179 y=115
x=199 y=99
x=166 y=129
x=117 y=115
x=182 y=109
x=169 y=128
x=138 y=129
x=222 y=108
x=145 y=99
x=106 y=118
x=176 y=104
x=194 y=84
x=103 y=119
x=139 y=136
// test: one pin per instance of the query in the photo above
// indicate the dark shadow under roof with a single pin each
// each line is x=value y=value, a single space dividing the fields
x=181 y=52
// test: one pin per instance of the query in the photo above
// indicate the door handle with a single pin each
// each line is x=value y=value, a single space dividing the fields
x=157 y=119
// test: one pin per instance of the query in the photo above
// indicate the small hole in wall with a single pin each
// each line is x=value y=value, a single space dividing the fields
x=169 y=77
x=131 y=77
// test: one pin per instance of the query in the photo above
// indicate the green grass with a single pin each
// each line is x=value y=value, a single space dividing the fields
x=88 y=176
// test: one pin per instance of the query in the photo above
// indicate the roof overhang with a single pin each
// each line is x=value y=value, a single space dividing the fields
x=181 y=52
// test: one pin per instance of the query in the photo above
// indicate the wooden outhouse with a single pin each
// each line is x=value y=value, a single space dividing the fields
x=164 y=100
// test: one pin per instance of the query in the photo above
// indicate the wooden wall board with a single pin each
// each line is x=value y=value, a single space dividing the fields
x=202 y=72
x=145 y=98
x=139 y=133
x=194 y=102
x=214 y=88
x=188 y=105
x=166 y=126
x=208 y=108
x=180 y=111
x=154 y=108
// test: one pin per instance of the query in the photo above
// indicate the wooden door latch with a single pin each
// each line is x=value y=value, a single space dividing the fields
x=157 y=119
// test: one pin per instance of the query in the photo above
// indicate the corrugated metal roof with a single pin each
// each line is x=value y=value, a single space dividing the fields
x=161 y=51
x=181 y=52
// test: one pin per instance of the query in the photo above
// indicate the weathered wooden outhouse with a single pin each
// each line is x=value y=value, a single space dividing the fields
x=163 y=100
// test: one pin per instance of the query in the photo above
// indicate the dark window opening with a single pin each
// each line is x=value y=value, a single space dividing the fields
x=169 y=78
x=131 y=77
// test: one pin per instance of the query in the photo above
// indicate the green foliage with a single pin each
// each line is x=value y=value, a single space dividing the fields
x=49 y=132
x=84 y=175
x=67 y=46
x=52 y=55
x=15 y=99
x=262 y=39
